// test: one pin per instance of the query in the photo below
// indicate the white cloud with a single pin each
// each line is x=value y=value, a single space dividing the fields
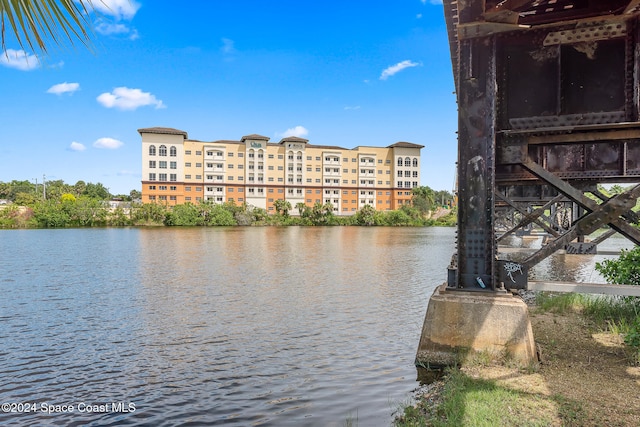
x=108 y=143
x=19 y=59
x=125 y=98
x=65 y=87
x=228 y=46
x=431 y=1
x=110 y=29
x=298 y=131
x=419 y=16
x=76 y=146
x=119 y=9
x=393 y=69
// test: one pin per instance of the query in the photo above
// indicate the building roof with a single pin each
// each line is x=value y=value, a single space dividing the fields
x=293 y=139
x=164 y=131
x=254 y=136
x=402 y=144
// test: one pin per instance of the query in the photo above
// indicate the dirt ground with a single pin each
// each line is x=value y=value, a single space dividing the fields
x=584 y=373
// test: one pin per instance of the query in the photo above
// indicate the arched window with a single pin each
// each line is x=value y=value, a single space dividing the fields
x=407 y=162
x=162 y=151
x=152 y=150
x=399 y=161
x=415 y=162
x=173 y=152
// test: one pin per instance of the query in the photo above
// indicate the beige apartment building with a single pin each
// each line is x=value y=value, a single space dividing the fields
x=178 y=170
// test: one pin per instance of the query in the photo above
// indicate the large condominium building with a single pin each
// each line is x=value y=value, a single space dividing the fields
x=255 y=171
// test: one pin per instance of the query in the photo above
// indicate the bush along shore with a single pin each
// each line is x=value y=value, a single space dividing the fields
x=71 y=211
x=588 y=374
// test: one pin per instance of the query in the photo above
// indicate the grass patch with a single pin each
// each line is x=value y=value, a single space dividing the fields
x=615 y=314
x=468 y=401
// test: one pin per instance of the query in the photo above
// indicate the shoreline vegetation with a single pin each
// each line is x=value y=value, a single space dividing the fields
x=59 y=205
x=588 y=373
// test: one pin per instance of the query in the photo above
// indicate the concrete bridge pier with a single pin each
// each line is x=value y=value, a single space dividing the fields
x=459 y=324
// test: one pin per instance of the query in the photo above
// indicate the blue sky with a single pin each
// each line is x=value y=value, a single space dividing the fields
x=343 y=73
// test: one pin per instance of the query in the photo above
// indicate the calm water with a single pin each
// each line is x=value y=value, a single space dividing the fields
x=213 y=326
x=238 y=326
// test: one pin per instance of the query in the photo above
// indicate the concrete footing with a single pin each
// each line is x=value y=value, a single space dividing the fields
x=459 y=324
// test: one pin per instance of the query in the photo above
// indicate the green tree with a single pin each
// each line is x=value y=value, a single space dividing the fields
x=135 y=195
x=148 y=213
x=24 y=199
x=366 y=216
x=97 y=191
x=282 y=207
x=423 y=199
x=303 y=209
x=79 y=188
x=624 y=270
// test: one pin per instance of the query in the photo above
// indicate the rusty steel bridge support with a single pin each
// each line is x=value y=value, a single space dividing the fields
x=548 y=108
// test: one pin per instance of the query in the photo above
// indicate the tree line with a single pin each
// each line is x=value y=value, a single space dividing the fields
x=87 y=205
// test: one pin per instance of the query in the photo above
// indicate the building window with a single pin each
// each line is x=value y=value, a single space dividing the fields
x=152 y=177
x=173 y=152
x=173 y=198
x=162 y=177
x=152 y=164
x=162 y=187
x=198 y=189
x=187 y=199
x=187 y=188
x=400 y=174
x=415 y=163
x=239 y=154
x=173 y=177
x=271 y=156
x=163 y=150
x=407 y=162
x=187 y=165
x=173 y=188
x=187 y=152
x=399 y=161
x=162 y=164
x=415 y=174
x=198 y=153
x=152 y=197
x=230 y=166
x=152 y=187
x=152 y=150
x=280 y=156
x=187 y=177
x=230 y=155
x=198 y=165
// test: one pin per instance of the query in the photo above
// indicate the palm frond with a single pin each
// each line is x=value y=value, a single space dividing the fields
x=35 y=23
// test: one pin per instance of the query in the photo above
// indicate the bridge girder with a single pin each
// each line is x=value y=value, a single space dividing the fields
x=548 y=103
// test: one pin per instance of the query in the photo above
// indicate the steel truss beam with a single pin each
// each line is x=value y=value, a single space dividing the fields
x=547 y=95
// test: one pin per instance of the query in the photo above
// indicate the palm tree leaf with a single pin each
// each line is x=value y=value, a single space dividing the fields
x=34 y=22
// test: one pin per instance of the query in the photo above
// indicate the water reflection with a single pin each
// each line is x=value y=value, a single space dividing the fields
x=561 y=266
x=237 y=326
